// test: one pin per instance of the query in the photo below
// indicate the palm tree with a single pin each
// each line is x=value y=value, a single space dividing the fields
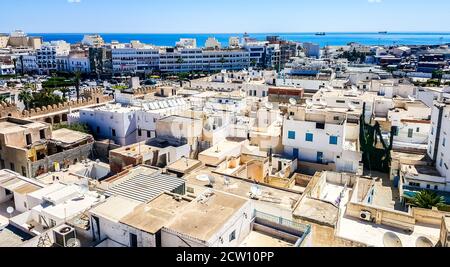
x=426 y=200
x=3 y=98
x=21 y=65
x=26 y=97
x=77 y=83
x=15 y=65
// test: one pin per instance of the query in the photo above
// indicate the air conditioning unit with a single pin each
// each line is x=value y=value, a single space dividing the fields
x=62 y=234
x=366 y=216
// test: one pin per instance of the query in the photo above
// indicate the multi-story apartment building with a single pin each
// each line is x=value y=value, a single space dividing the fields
x=185 y=60
x=325 y=137
x=47 y=54
x=133 y=60
x=94 y=40
x=439 y=140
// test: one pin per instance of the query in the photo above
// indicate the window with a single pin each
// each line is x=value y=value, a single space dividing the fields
x=28 y=137
x=12 y=167
x=336 y=118
x=443 y=142
x=410 y=133
x=333 y=140
x=133 y=241
x=414 y=184
x=436 y=187
x=232 y=236
x=428 y=186
x=340 y=101
x=432 y=131
x=441 y=162
x=113 y=132
x=320 y=157
x=24 y=171
x=42 y=134
x=291 y=135
x=139 y=132
x=320 y=126
x=417 y=130
x=309 y=137
x=395 y=129
x=148 y=134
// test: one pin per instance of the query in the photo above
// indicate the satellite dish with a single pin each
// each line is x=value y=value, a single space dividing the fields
x=423 y=242
x=211 y=179
x=391 y=240
x=269 y=105
x=10 y=210
x=73 y=243
x=293 y=101
x=255 y=190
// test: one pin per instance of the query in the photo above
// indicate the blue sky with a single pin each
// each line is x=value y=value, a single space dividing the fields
x=223 y=16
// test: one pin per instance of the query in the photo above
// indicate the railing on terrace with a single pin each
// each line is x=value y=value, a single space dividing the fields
x=304 y=229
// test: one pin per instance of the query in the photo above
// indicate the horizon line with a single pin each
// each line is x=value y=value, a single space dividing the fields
x=306 y=32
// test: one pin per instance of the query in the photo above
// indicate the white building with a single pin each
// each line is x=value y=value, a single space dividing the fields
x=323 y=136
x=112 y=122
x=311 y=50
x=212 y=43
x=186 y=60
x=187 y=43
x=234 y=42
x=135 y=60
x=93 y=40
x=7 y=69
x=47 y=54
x=411 y=120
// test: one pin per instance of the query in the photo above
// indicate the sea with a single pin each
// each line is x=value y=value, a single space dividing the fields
x=394 y=38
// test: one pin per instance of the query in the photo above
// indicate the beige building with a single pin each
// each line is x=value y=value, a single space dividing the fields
x=31 y=148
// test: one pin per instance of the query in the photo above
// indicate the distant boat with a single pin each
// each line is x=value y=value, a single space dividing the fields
x=320 y=33
x=385 y=32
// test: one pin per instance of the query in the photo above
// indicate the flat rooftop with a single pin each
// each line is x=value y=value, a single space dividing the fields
x=152 y=216
x=11 y=236
x=11 y=125
x=372 y=234
x=67 y=136
x=416 y=170
x=202 y=219
x=184 y=165
x=259 y=239
x=115 y=208
x=241 y=187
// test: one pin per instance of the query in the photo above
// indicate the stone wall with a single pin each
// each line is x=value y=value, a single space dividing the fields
x=64 y=159
x=91 y=97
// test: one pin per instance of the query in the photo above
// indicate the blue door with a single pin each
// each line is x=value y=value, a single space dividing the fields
x=320 y=157
x=296 y=153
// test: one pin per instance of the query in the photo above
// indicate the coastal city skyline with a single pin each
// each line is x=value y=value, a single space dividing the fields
x=310 y=124
x=222 y=16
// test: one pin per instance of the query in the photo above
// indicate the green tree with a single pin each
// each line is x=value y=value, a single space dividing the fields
x=438 y=74
x=3 y=98
x=26 y=97
x=426 y=200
